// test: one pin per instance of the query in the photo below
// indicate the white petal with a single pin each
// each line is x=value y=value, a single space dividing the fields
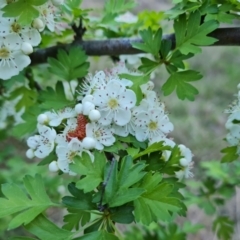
x=122 y=117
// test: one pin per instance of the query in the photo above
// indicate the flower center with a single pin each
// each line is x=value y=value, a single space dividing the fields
x=4 y=52
x=113 y=103
x=152 y=126
x=16 y=27
x=97 y=134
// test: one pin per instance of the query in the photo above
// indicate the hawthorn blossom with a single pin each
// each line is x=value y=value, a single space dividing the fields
x=67 y=153
x=185 y=163
x=42 y=144
x=55 y=118
x=152 y=125
x=10 y=26
x=12 y=60
x=114 y=103
x=102 y=134
x=91 y=83
x=47 y=14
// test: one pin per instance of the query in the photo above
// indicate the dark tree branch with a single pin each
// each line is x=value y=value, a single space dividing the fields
x=114 y=47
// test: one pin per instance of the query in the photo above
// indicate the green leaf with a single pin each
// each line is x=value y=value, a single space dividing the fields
x=179 y=80
x=137 y=80
x=94 y=171
x=155 y=147
x=44 y=229
x=71 y=65
x=80 y=200
x=230 y=154
x=148 y=66
x=190 y=33
x=24 y=10
x=76 y=206
x=29 y=97
x=151 y=41
x=224 y=227
x=51 y=99
x=157 y=203
x=99 y=235
x=122 y=214
x=75 y=218
x=118 y=6
x=22 y=238
x=18 y=201
x=119 y=188
x=29 y=126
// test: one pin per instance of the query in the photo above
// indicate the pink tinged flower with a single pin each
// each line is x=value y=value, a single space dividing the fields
x=114 y=103
x=12 y=60
x=103 y=135
x=10 y=26
x=42 y=144
x=152 y=125
x=47 y=15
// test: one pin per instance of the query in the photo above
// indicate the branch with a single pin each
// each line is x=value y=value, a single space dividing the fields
x=119 y=46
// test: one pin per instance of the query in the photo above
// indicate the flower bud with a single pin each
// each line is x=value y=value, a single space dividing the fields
x=78 y=108
x=42 y=118
x=87 y=107
x=88 y=98
x=94 y=115
x=184 y=162
x=30 y=153
x=38 y=24
x=53 y=166
x=88 y=143
x=26 y=48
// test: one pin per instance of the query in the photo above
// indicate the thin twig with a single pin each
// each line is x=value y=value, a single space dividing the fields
x=101 y=207
x=119 y=46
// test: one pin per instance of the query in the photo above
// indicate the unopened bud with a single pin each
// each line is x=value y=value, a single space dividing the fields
x=26 y=48
x=53 y=166
x=94 y=115
x=38 y=24
x=88 y=143
x=30 y=153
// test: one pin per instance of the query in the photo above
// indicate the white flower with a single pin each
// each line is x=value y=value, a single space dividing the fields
x=10 y=26
x=114 y=103
x=67 y=153
x=47 y=15
x=185 y=172
x=42 y=144
x=12 y=60
x=102 y=134
x=90 y=84
x=56 y=118
x=185 y=163
x=152 y=125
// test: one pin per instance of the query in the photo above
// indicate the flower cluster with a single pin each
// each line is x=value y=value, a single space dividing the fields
x=233 y=123
x=107 y=108
x=17 y=40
